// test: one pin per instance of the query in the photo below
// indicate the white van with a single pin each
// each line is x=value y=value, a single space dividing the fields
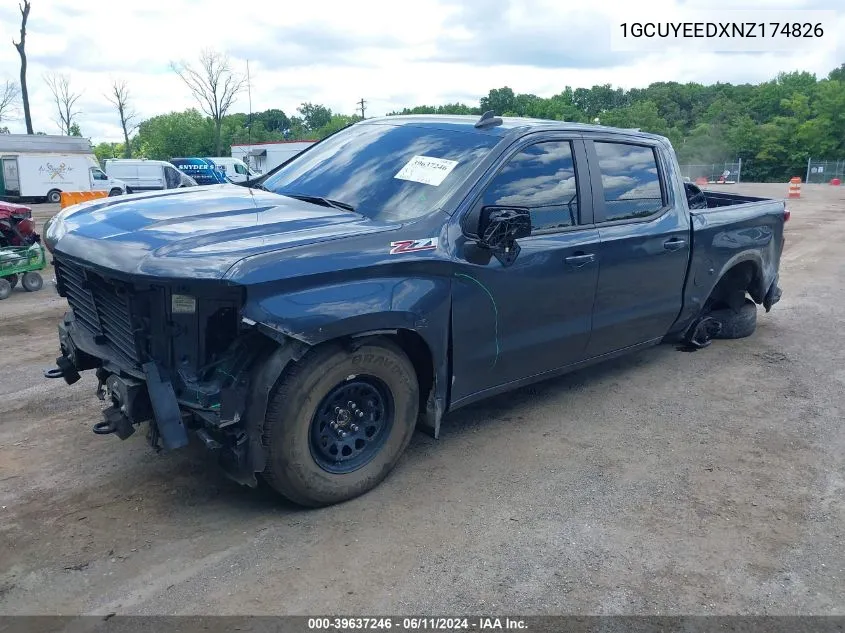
x=141 y=174
x=38 y=176
x=235 y=169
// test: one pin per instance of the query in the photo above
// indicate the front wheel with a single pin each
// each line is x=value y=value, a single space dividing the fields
x=5 y=289
x=114 y=192
x=339 y=421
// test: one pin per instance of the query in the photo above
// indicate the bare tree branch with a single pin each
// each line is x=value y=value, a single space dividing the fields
x=21 y=48
x=119 y=98
x=213 y=85
x=9 y=94
x=64 y=99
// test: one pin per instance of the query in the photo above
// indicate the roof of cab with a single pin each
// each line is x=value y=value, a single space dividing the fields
x=466 y=123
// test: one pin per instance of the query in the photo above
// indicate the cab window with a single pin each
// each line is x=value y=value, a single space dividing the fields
x=540 y=177
x=630 y=179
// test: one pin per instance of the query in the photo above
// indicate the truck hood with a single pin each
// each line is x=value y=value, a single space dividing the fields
x=196 y=232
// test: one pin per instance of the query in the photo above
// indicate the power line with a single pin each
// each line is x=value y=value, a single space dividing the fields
x=361 y=105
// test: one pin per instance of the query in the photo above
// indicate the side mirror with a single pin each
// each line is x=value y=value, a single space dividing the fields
x=500 y=227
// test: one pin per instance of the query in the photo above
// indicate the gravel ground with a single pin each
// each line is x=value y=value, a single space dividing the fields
x=663 y=482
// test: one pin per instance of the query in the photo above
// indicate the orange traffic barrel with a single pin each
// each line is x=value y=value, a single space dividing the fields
x=794 y=187
x=836 y=182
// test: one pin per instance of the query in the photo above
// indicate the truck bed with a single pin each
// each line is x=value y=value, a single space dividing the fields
x=729 y=229
x=700 y=200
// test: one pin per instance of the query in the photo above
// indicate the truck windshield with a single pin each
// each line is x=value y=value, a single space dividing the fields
x=385 y=172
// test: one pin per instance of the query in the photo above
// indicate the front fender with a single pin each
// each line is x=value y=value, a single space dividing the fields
x=315 y=315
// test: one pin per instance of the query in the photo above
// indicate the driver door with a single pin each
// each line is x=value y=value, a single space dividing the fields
x=512 y=322
x=99 y=181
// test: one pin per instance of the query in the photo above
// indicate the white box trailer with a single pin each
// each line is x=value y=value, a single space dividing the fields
x=262 y=157
x=45 y=176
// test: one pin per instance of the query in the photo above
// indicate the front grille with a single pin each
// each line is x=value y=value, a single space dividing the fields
x=102 y=307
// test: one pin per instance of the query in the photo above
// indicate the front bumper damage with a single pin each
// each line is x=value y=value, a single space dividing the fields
x=203 y=372
x=225 y=411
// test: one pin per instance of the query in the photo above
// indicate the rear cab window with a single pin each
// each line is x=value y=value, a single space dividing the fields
x=631 y=180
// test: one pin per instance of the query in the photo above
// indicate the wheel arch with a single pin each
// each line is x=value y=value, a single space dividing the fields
x=284 y=352
x=739 y=276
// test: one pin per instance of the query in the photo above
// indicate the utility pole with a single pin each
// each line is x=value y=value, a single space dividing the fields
x=361 y=105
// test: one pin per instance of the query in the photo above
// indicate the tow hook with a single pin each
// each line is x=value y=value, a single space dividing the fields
x=64 y=369
x=114 y=422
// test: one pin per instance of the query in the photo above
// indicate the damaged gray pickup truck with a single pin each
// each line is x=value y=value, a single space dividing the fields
x=304 y=324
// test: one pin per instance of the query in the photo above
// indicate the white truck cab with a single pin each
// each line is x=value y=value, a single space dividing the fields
x=235 y=169
x=101 y=182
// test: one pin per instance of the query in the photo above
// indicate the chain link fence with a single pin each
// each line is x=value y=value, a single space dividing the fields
x=823 y=171
x=716 y=173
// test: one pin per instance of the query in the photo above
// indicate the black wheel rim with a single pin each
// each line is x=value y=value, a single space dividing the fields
x=351 y=424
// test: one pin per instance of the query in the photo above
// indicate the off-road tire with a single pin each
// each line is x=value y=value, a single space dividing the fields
x=54 y=196
x=291 y=468
x=32 y=282
x=736 y=323
x=5 y=289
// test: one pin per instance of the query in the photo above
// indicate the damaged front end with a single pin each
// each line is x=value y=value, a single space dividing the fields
x=176 y=355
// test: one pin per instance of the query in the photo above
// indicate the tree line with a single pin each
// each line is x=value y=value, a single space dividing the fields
x=773 y=127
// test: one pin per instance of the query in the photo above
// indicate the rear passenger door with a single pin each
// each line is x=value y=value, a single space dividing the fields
x=644 y=249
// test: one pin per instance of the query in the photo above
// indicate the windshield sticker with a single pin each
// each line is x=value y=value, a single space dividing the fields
x=413 y=246
x=427 y=170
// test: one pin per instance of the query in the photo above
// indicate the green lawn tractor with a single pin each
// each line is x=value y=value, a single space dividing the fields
x=21 y=252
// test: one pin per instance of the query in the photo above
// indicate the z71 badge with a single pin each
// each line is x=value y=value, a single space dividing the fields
x=413 y=246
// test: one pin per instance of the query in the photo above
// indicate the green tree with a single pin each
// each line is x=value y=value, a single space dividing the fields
x=105 y=150
x=500 y=100
x=314 y=116
x=337 y=122
x=176 y=134
x=837 y=74
x=273 y=120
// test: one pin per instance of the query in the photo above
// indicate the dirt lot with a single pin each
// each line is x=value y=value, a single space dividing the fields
x=663 y=483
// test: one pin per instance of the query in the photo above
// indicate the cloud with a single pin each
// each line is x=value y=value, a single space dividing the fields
x=337 y=52
x=535 y=35
x=313 y=44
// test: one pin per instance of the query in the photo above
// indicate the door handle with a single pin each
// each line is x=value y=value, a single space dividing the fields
x=674 y=244
x=580 y=259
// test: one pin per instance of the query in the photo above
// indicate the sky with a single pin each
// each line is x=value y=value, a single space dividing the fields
x=391 y=54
